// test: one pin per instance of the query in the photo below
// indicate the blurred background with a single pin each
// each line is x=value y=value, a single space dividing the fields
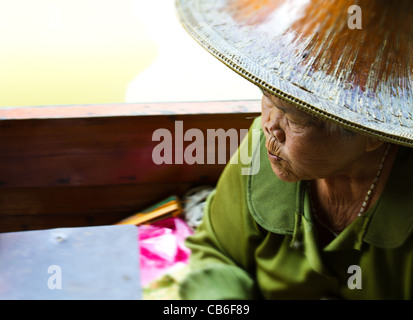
x=65 y=52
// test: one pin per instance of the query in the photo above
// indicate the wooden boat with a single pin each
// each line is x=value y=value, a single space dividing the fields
x=90 y=165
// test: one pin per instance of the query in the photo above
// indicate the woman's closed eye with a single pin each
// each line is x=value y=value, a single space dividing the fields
x=300 y=122
x=294 y=118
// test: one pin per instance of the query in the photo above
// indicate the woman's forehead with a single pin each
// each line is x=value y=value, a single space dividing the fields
x=287 y=106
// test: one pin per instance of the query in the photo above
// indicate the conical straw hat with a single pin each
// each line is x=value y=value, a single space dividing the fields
x=314 y=54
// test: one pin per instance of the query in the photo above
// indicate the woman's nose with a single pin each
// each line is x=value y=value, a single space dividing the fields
x=274 y=125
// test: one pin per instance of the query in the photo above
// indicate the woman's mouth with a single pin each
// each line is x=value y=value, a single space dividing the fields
x=271 y=144
x=273 y=156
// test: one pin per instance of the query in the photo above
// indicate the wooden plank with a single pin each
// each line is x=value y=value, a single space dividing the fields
x=41 y=208
x=47 y=221
x=105 y=199
x=102 y=151
x=68 y=171
x=129 y=109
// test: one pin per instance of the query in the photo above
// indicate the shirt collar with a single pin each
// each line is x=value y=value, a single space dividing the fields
x=270 y=199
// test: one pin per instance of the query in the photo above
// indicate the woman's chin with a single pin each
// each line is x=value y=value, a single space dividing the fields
x=283 y=174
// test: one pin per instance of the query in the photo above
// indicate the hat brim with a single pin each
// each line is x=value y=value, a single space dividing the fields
x=286 y=71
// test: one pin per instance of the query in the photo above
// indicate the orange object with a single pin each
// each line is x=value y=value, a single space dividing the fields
x=170 y=207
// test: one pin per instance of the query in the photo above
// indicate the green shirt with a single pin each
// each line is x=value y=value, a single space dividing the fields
x=258 y=240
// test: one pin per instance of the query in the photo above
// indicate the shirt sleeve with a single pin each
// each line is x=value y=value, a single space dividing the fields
x=222 y=260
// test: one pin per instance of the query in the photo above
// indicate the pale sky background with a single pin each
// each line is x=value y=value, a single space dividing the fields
x=64 y=52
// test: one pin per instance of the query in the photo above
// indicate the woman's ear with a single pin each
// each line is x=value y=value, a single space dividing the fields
x=373 y=144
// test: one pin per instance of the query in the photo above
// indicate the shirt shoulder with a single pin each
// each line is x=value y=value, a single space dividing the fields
x=392 y=223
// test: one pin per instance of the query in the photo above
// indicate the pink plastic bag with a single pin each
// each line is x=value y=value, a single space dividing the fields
x=162 y=247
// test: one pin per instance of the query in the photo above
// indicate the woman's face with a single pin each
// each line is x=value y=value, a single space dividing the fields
x=299 y=147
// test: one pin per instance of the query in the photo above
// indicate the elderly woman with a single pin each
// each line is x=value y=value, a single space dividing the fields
x=329 y=213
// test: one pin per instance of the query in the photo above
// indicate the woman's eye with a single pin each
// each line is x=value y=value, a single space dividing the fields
x=302 y=123
x=294 y=121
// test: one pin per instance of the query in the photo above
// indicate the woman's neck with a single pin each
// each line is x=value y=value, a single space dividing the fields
x=339 y=199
